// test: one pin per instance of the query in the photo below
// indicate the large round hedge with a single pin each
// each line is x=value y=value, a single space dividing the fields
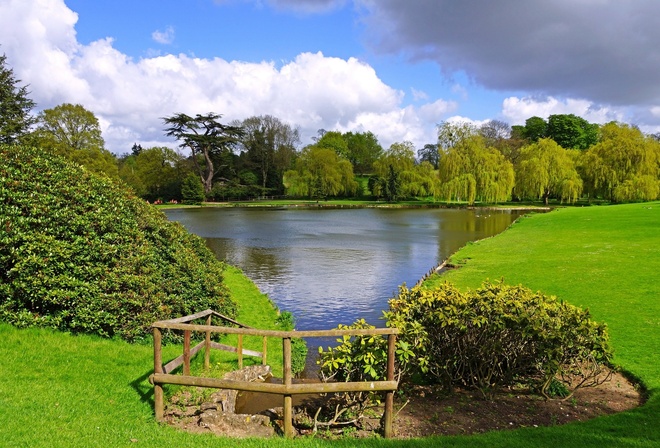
x=80 y=253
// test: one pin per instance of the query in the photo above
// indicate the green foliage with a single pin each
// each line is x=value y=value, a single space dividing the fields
x=571 y=131
x=535 y=128
x=623 y=166
x=320 y=173
x=192 y=190
x=206 y=138
x=155 y=173
x=287 y=322
x=15 y=106
x=356 y=358
x=74 y=132
x=547 y=170
x=80 y=253
x=469 y=171
x=495 y=335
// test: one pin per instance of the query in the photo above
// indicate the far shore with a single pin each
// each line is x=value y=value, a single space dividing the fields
x=348 y=204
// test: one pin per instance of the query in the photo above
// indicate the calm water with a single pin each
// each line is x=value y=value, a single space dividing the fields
x=334 y=266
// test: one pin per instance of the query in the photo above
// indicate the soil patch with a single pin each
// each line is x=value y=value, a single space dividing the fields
x=424 y=411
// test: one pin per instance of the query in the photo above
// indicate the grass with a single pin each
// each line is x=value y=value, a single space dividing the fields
x=80 y=391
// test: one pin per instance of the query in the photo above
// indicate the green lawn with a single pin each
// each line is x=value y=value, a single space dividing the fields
x=61 y=390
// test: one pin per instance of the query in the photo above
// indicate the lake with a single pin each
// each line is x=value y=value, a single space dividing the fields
x=332 y=266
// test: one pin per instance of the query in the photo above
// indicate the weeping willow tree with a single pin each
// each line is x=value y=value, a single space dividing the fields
x=396 y=174
x=623 y=166
x=469 y=171
x=320 y=173
x=546 y=170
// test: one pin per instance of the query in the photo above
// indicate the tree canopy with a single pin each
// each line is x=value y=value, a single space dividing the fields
x=15 y=106
x=206 y=137
x=74 y=132
x=547 y=170
x=623 y=166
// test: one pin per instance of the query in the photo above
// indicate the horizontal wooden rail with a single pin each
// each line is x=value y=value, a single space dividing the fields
x=229 y=348
x=274 y=333
x=274 y=388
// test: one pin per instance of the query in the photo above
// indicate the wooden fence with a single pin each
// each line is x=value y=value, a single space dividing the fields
x=162 y=373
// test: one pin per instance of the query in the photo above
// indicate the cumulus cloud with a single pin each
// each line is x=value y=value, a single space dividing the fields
x=164 y=37
x=131 y=96
x=517 y=110
x=605 y=51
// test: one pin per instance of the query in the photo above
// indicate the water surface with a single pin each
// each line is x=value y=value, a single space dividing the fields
x=334 y=266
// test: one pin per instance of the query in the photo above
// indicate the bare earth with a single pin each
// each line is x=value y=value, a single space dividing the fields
x=431 y=412
x=426 y=411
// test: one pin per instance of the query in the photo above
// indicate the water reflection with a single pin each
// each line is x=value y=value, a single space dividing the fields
x=335 y=266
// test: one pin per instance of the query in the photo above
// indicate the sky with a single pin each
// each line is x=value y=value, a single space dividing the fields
x=396 y=68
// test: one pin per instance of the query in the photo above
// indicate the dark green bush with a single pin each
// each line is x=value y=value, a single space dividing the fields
x=497 y=335
x=83 y=254
x=192 y=190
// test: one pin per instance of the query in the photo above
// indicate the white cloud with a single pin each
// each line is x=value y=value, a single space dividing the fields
x=164 y=37
x=419 y=95
x=131 y=96
x=516 y=110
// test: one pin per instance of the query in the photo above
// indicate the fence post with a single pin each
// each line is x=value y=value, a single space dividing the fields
x=207 y=345
x=239 y=350
x=186 y=352
x=264 y=347
x=288 y=411
x=389 y=397
x=159 y=406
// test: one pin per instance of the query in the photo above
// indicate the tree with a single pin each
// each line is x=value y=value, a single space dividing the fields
x=15 y=106
x=429 y=153
x=547 y=170
x=623 y=166
x=74 y=132
x=571 y=131
x=335 y=141
x=155 y=173
x=469 y=170
x=451 y=134
x=494 y=131
x=391 y=169
x=535 y=129
x=363 y=150
x=319 y=173
x=206 y=137
x=192 y=190
x=270 y=146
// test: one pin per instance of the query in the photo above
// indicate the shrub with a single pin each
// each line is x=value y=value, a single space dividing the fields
x=497 y=335
x=192 y=190
x=83 y=254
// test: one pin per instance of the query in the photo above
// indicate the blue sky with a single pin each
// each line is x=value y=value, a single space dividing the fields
x=393 y=67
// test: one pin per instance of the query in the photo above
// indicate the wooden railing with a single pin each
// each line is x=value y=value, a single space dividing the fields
x=162 y=373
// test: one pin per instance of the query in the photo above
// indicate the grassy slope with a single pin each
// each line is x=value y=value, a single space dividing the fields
x=59 y=390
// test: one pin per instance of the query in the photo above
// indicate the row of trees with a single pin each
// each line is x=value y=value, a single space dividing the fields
x=564 y=157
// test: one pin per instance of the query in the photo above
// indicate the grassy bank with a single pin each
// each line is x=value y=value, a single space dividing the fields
x=60 y=390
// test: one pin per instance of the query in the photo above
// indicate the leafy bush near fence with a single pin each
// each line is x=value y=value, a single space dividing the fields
x=497 y=335
x=494 y=336
x=83 y=254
